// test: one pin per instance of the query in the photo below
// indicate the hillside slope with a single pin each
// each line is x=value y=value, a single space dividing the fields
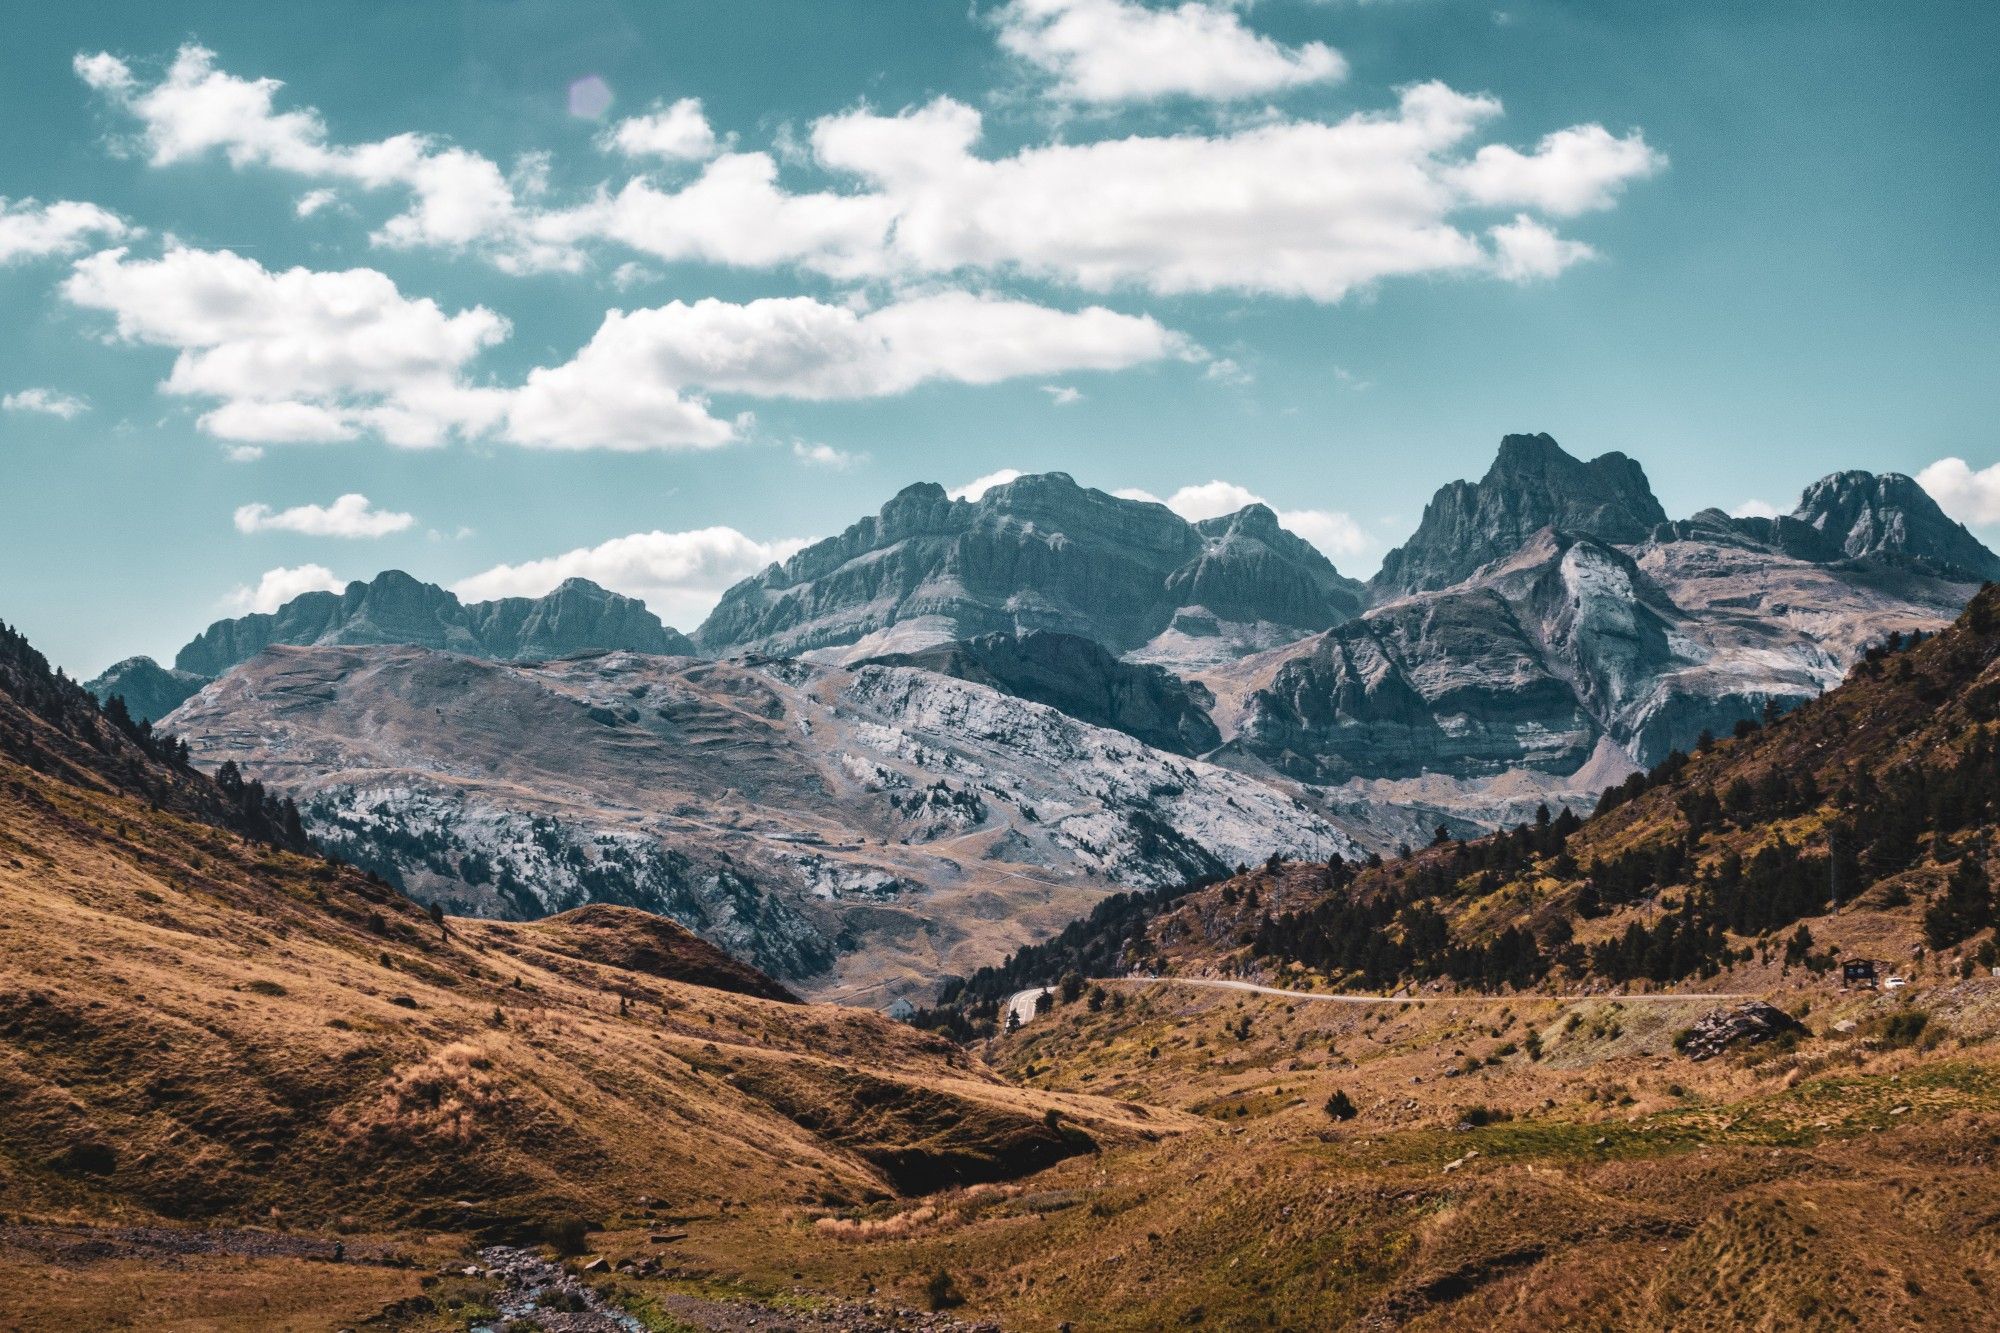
x=200 y=1025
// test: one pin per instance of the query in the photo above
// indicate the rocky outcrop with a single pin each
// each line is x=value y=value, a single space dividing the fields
x=1746 y=1025
x=1040 y=553
x=1533 y=484
x=1081 y=678
x=150 y=691
x=577 y=617
x=1861 y=514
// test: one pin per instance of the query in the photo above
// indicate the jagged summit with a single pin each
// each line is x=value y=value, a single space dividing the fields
x=1533 y=484
x=394 y=607
x=1863 y=514
x=1038 y=553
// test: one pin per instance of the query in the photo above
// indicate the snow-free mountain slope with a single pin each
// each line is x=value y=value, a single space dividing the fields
x=1040 y=552
x=858 y=832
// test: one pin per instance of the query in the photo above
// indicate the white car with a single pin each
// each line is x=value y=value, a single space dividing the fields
x=1894 y=983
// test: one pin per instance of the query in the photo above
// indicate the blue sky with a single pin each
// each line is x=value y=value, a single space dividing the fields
x=491 y=268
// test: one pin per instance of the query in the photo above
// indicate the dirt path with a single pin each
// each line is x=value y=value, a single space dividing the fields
x=1455 y=998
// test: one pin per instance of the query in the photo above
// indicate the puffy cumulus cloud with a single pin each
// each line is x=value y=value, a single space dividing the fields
x=677 y=133
x=1968 y=496
x=826 y=456
x=978 y=486
x=680 y=575
x=279 y=586
x=32 y=230
x=48 y=402
x=1754 y=509
x=307 y=357
x=1577 y=170
x=626 y=381
x=1288 y=206
x=1525 y=250
x=458 y=199
x=1119 y=51
x=349 y=516
x=1293 y=207
x=297 y=355
x=1333 y=532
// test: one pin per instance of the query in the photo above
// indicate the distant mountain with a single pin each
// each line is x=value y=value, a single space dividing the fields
x=577 y=617
x=1533 y=484
x=1040 y=553
x=1862 y=515
x=1081 y=678
x=1599 y=627
x=150 y=691
x=856 y=832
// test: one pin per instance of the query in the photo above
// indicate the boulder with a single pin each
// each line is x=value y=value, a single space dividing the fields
x=1749 y=1024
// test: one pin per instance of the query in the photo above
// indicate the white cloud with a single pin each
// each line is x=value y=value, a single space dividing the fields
x=296 y=355
x=978 y=486
x=680 y=575
x=1120 y=51
x=49 y=402
x=1224 y=370
x=1525 y=250
x=32 y=230
x=1285 y=206
x=279 y=586
x=302 y=356
x=1968 y=496
x=243 y=453
x=625 y=385
x=1333 y=532
x=1062 y=395
x=459 y=199
x=1755 y=509
x=1578 y=170
x=677 y=133
x=826 y=456
x=349 y=516
x=1291 y=207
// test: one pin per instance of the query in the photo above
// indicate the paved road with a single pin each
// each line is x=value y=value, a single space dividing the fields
x=1454 y=998
x=1021 y=1004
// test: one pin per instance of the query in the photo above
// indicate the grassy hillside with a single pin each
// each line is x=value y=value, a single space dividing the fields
x=201 y=1020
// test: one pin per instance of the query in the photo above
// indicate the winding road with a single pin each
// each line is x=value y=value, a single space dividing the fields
x=1022 y=1003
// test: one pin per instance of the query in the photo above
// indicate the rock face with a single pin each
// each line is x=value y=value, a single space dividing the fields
x=150 y=690
x=1535 y=660
x=1079 y=677
x=1040 y=553
x=1746 y=1025
x=1532 y=485
x=577 y=617
x=1860 y=514
x=858 y=833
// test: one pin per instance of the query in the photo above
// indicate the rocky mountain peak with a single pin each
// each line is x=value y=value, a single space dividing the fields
x=1038 y=553
x=1864 y=514
x=1533 y=484
x=396 y=608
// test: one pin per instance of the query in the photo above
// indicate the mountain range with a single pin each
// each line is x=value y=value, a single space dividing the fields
x=956 y=724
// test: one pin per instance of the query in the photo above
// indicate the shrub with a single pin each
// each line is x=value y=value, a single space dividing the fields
x=565 y=1235
x=942 y=1291
x=1340 y=1106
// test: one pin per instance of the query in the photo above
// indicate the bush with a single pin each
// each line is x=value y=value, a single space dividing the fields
x=1340 y=1106
x=565 y=1235
x=942 y=1292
